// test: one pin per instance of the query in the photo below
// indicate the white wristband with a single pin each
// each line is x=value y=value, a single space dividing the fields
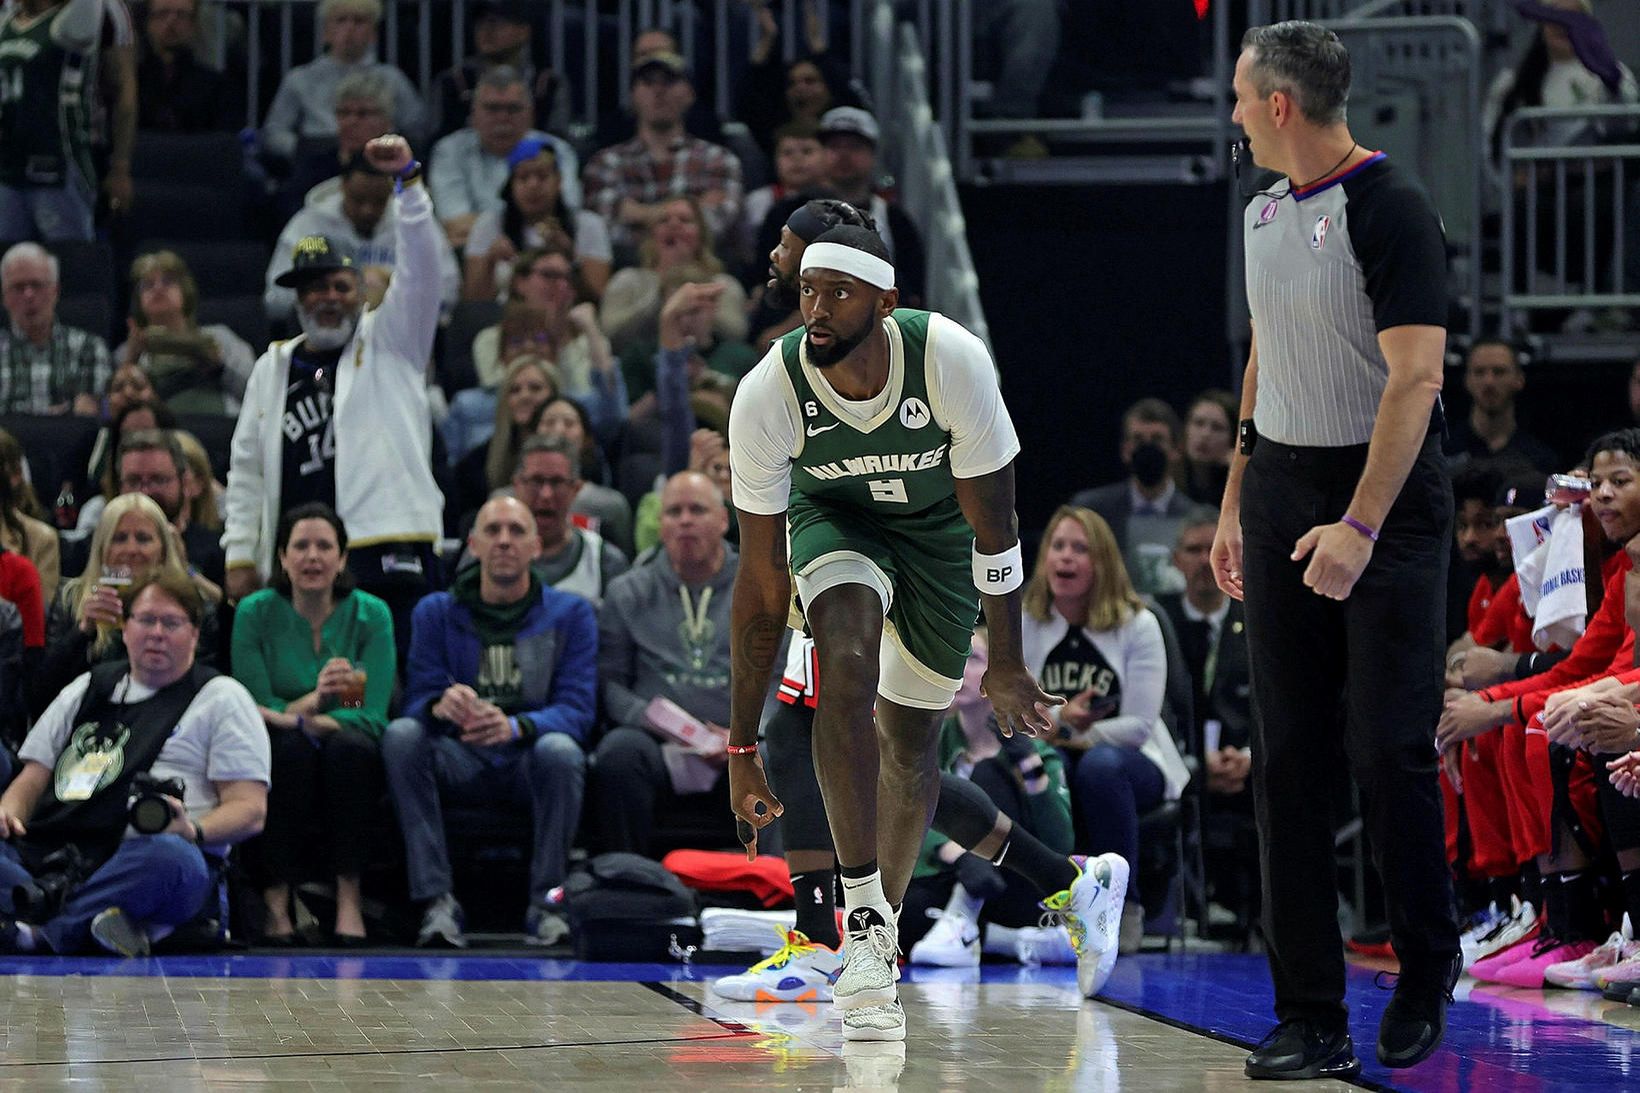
x=999 y=574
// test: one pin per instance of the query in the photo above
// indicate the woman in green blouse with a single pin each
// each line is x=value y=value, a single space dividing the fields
x=301 y=648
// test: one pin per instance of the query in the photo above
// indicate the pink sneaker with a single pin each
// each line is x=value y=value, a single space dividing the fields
x=1528 y=971
x=1487 y=970
x=1579 y=975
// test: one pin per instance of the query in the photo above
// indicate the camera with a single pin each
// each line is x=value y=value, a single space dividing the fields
x=59 y=873
x=147 y=809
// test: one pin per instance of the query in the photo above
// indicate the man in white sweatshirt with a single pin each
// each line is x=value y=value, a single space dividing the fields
x=340 y=414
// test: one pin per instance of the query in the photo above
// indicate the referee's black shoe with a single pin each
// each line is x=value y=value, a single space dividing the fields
x=1297 y=1050
x=1415 y=1019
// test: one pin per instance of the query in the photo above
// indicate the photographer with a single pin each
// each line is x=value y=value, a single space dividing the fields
x=130 y=874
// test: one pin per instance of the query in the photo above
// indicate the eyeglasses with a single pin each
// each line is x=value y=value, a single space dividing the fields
x=170 y=624
x=132 y=483
x=537 y=482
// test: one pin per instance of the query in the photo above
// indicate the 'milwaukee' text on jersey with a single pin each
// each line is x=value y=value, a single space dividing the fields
x=939 y=417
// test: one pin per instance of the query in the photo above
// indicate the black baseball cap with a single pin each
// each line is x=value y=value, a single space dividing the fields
x=315 y=254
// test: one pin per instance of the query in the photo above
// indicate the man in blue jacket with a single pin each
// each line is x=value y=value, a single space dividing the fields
x=499 y=698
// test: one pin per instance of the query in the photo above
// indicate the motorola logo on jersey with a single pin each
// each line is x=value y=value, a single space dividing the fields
x=914 y=413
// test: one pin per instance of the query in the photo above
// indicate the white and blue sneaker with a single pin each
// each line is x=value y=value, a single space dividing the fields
x=799 y=971
x=1091 y=912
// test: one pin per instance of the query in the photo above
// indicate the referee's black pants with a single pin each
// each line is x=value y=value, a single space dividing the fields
x=1358 y=681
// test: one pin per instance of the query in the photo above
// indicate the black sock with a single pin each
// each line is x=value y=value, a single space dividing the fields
x=1582 y=910
x=1501 y=889
x=1631 y=897
x=816 y=896
x=1553 y=906
x=1027 y=855
x=855 y=872
x=982 y=879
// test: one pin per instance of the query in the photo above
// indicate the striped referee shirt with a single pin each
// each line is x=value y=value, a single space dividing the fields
x=1329 y=266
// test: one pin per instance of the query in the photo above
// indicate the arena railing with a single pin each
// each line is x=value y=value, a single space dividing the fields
x=577 y=34
x=1570 y=212
x=915 y=150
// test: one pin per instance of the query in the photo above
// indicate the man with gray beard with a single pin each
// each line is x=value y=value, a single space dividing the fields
x=340 y=414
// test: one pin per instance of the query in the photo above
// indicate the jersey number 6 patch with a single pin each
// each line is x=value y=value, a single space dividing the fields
x=888 y=489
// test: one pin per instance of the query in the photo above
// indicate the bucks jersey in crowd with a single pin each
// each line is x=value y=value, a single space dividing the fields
x=45 y=104
x=874 y=479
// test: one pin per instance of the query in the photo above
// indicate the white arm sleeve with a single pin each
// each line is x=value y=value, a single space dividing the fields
x=763 y=432
x=964 y=398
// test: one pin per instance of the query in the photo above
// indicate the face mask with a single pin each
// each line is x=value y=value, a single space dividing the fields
x=1148 y=464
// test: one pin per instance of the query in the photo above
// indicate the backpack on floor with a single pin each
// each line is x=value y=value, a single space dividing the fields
x=628 y=908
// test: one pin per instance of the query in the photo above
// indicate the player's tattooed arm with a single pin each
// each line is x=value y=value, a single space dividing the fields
x=1020 y=704
x=762 y=596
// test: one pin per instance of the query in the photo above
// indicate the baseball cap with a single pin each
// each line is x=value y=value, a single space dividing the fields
x=315 y=254
x=852 y=120
x=673 y=64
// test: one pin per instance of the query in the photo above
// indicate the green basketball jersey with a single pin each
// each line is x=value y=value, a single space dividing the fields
x=45 y=106
x=897 y=463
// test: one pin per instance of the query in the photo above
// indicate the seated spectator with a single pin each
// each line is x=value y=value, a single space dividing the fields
x=195 y=369
x=127 y=384
x=544 y=318
x=304 y=105
x=663 y=632
x=1150 y=445
x=45 y=367
x=133 y=417
x=364 y=111
x=799 y=167
x=1209 y=439
x=784 y=240
x=150 y=461
x=157 y=710
x=176 y=92
x=1088 y=636
x=132 y=540
x=596 y=507
x=573 y=558
x=20 y=587
x=775 y=92
x=48 y=184
x=678 y=239
x=1494 y=379
x=630 y=184
x=317 y=656
x=360 y=217
x=851 y=137
x=29 y=536
x=469 y=168
x=501 y=37
x=532 y=216
x=530 y=383
x=498 y=703
x=202 y=495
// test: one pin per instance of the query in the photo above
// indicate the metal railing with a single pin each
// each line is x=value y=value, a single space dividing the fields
x=1570 y=211
x=916 y=152
x=581 y=36
x=1487 y=15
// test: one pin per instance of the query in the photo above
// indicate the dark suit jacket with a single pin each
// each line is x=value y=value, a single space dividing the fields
x=1115 y=504
x=1229 y=700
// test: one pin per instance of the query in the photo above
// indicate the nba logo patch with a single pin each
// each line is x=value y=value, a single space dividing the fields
x=1318 y=234
x=1268 y=213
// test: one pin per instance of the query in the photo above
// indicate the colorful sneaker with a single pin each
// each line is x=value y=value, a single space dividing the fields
x=869 y=960
x=1579 y=975
x=1482 y=926
x=1545 y=952
x=874 y=1023
x=1091 y=912
x=1487 y=970
x=952 y=942
x=1625 y=974
x=799 y=971
x=1520 y=924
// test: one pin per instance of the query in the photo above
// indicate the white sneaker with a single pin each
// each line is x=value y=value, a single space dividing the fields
x=885 y=1022
x=1480 y=927
x=799 y=971
x=1091 y=912
x=1579 y=975
x=1520 y=923
x=1043 y=945
x=952 y=942
x=869 y=956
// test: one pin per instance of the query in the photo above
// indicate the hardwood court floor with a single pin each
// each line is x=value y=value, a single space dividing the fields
x=386 y=1022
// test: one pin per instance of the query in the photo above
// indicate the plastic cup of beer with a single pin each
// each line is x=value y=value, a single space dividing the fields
x=117 y=577
x=353 y=692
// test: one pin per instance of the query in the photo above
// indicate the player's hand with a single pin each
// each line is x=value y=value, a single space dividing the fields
x=1607 y=723
x=1019 y=703
x=1226 y=555
x=1625 y=774
x=389 y=154
x=1338 y=555
x=1451 y=763
x=1468 y=717
x=748 y=788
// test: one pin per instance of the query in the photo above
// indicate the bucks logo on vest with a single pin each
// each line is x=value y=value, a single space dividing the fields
x=699 y=636
x=89 y=763
x=500 y=679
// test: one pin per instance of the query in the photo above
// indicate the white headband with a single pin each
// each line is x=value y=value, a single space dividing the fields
x=856 y=263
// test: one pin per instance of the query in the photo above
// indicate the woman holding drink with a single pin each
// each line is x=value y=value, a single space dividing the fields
x=317 y=655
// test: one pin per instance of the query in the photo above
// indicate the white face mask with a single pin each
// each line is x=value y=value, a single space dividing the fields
x=326 y=338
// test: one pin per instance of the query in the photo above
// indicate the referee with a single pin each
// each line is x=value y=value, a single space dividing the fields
x=1335 y=529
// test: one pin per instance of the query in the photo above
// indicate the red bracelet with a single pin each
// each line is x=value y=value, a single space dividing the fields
x=740 y=749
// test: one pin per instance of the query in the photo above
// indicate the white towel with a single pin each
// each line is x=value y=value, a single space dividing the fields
x=1527 y=534
x=1563 y=602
